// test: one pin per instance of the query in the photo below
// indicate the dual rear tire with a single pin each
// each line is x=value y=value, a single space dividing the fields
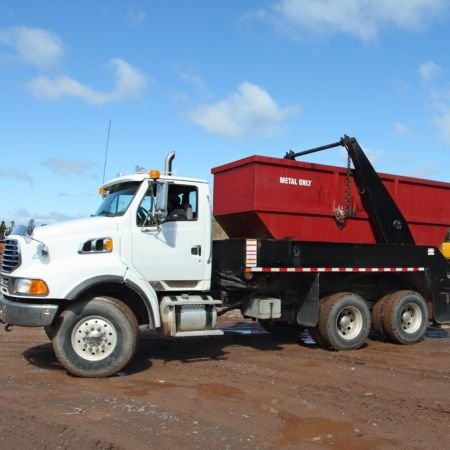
x=345 y=319
x=344 y=322
x=401 y=317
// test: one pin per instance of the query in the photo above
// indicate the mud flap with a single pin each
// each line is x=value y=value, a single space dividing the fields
x=441 y=299
x=308 y=310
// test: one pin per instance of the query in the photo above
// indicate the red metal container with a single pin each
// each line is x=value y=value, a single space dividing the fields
x=284 y=199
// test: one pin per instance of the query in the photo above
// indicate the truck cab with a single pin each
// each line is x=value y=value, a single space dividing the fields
x=145 y=254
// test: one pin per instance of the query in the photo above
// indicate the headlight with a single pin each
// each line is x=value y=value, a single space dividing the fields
x=31 y=287
x=101 y=245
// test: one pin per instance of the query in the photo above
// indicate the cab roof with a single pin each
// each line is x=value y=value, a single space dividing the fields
x=141 y=176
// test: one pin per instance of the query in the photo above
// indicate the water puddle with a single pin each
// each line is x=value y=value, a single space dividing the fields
x=244 y=328
x=319 y=430
x=215 y=390
x=306 y=338
x=437 y=333
x=311 y=429
x=142 y=388
x=253 y=328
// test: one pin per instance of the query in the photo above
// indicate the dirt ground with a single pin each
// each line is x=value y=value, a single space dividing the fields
x=244 y=390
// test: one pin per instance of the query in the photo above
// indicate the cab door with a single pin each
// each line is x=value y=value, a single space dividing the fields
x=172 y=256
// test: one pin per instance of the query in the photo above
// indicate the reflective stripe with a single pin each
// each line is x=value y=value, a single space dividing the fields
x=250 y=268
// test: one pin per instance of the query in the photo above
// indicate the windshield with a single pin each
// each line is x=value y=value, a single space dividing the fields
x=118 y=199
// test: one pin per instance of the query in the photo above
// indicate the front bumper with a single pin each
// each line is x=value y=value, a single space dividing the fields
x=26 y=314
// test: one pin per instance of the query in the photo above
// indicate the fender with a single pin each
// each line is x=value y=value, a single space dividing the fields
x=135 y=282
x=86 y=284
x=147 y=293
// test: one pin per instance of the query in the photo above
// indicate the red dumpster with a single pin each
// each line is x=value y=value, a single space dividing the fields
x=285 y=199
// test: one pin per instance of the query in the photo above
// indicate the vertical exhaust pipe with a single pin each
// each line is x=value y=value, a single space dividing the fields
x=169 y=159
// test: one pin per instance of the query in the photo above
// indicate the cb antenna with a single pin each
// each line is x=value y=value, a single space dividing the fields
x=106 y=151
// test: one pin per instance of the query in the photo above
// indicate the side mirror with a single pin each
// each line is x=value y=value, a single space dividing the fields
x=162 y=193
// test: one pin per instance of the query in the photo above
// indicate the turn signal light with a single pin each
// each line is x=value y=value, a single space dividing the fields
x=31 y=287
x=108 y=244
x=38 y=287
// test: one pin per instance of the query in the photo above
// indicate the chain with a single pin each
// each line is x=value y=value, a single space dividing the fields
x=342 y=214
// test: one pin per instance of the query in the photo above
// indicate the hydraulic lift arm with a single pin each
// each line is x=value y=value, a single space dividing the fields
x=387 y=221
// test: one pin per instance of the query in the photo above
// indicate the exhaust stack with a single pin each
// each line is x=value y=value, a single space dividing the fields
x=169 y=159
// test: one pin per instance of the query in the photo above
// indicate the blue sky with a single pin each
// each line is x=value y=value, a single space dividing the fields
x=215 y=81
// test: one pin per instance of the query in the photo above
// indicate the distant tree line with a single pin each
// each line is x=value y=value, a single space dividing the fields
x=5 y=229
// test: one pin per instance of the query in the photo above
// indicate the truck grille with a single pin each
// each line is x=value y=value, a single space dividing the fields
x=4 y=284
x=11 y=256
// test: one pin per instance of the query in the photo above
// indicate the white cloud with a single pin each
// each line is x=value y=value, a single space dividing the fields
x=401 y=128
x=363 y=19
x=442 y=122
x=33 y=46
x=438 y=100
x=130 y=84
x=68 y=167
x=188 y=75
x=178 y=96
x=16 y=174
x=429 y=70
x=249 y=110
x=136 y=16
x=22 y=216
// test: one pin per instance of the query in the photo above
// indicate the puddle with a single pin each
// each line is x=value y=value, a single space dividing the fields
x=306 y=338
x=142 y=388
x=295 y=431
x=215 y=390
x=437 y=333
x=253 y=328
x=311 y=429
x=244 y=329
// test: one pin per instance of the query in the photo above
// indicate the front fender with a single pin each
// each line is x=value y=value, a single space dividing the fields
x=143 y=287
x=133 y=281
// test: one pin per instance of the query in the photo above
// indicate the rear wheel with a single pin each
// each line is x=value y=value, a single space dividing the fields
x=96 y=338
x=378 y=316
x=405 y=317
x=344 y=321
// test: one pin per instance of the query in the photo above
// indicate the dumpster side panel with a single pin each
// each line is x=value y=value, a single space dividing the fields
x=284 y=199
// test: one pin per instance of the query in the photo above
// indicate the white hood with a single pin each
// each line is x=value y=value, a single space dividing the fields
x=76 y=227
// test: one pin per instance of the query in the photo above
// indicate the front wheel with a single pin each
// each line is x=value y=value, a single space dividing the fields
x=96 y=338
x=344 y=321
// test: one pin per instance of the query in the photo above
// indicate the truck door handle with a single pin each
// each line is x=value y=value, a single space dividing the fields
x=196 y=250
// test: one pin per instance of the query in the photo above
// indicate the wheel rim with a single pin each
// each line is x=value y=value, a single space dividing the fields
x=349 y=323
x=411 y=318
x=94 y=338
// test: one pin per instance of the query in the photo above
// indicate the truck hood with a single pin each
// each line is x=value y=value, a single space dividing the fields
x=76 y=227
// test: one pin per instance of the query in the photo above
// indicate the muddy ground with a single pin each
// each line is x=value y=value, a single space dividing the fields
x=243 y=390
